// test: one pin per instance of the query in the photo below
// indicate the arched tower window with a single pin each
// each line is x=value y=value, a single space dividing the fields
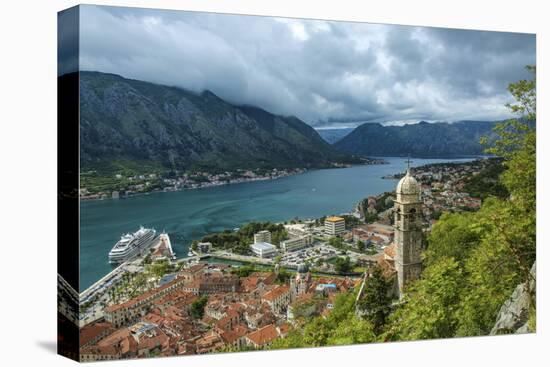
x=412 y=214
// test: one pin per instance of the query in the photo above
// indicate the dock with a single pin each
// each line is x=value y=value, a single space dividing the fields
x=161 y=248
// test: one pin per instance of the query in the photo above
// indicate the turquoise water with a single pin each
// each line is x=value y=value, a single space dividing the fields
x=190 y=214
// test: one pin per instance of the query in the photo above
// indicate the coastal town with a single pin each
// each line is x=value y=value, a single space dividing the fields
x=218 y=299
x=97 y=186
x=446 y=187
x=121 y=185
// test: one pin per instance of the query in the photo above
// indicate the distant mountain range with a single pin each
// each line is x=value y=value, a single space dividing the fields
x=333 y=135
x=130 y=122
x=420 y=140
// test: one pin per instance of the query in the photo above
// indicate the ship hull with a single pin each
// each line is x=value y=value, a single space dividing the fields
x=141 y=241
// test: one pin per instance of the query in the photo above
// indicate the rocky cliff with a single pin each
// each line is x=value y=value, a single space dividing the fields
x=515 y=313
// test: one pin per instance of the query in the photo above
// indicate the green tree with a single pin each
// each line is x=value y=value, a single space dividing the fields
x=360 y=245
x=376 y=299
x=436 y=214
x=336 y=242
x=429 y=308
x=342 y=265
x=495 y=266
x=487 y=182
x=340 y=327
x=244 y=271
x=353 y=331
x=196 y=310
x=283 y=276
x=371 y=217
x=157 y=269
x=517 y=145
x=453 y=237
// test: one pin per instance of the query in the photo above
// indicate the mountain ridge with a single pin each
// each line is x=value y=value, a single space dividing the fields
x=127 y=120
x=423 y=139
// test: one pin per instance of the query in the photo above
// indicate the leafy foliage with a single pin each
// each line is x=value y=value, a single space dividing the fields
x=351 y=221
x=244 y=271
x=283 y=276
x=336 y=242
x=487 y=183
x=343 y=265
x=376 y=300
x=429 y=309
x=196 y=310
x=453 y=236
x=239 y=241
x=340 y=327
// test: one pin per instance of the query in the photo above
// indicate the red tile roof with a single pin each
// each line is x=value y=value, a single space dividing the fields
x=276 y=293
x=90 y=332
x=143 y=296
x=264 y=335
x=390 y=251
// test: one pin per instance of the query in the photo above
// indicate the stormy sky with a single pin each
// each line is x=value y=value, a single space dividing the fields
x=326 y=73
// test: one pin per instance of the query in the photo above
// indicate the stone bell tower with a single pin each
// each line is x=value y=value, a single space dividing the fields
x=408 y=231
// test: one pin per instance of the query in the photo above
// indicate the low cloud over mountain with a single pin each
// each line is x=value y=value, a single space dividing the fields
x=323 y=72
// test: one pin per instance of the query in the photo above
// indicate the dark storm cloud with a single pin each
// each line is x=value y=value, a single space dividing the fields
x=323 y=72
x=67 y=41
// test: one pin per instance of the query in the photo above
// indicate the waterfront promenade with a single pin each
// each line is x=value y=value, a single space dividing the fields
x=98 y=292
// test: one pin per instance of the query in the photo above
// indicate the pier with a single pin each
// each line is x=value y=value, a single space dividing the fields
x=98 y=291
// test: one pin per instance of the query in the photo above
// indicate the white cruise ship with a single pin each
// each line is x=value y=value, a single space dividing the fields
x=131 y=245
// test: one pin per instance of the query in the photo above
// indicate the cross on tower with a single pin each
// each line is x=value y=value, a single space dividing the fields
x=408 y=161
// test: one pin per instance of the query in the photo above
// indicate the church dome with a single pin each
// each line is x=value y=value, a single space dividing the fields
x=408 y=185
x=408 y=190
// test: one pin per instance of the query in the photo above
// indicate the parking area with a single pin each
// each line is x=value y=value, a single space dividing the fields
x=318 y=250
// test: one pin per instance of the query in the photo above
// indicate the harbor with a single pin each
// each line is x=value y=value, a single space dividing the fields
x=94 y=297
x=189 y=215
x=150 y=261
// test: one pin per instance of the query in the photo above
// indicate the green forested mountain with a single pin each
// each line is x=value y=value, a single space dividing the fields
x=129 y=122
x=420 y=140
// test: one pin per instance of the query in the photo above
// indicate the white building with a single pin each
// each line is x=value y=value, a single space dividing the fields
x=278 y=298
x=296 y=243
x=262 y=236
x=263 y=249
x=335 y=225
x=297 y=229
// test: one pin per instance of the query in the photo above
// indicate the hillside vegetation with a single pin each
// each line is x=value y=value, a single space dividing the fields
x=472 y=264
